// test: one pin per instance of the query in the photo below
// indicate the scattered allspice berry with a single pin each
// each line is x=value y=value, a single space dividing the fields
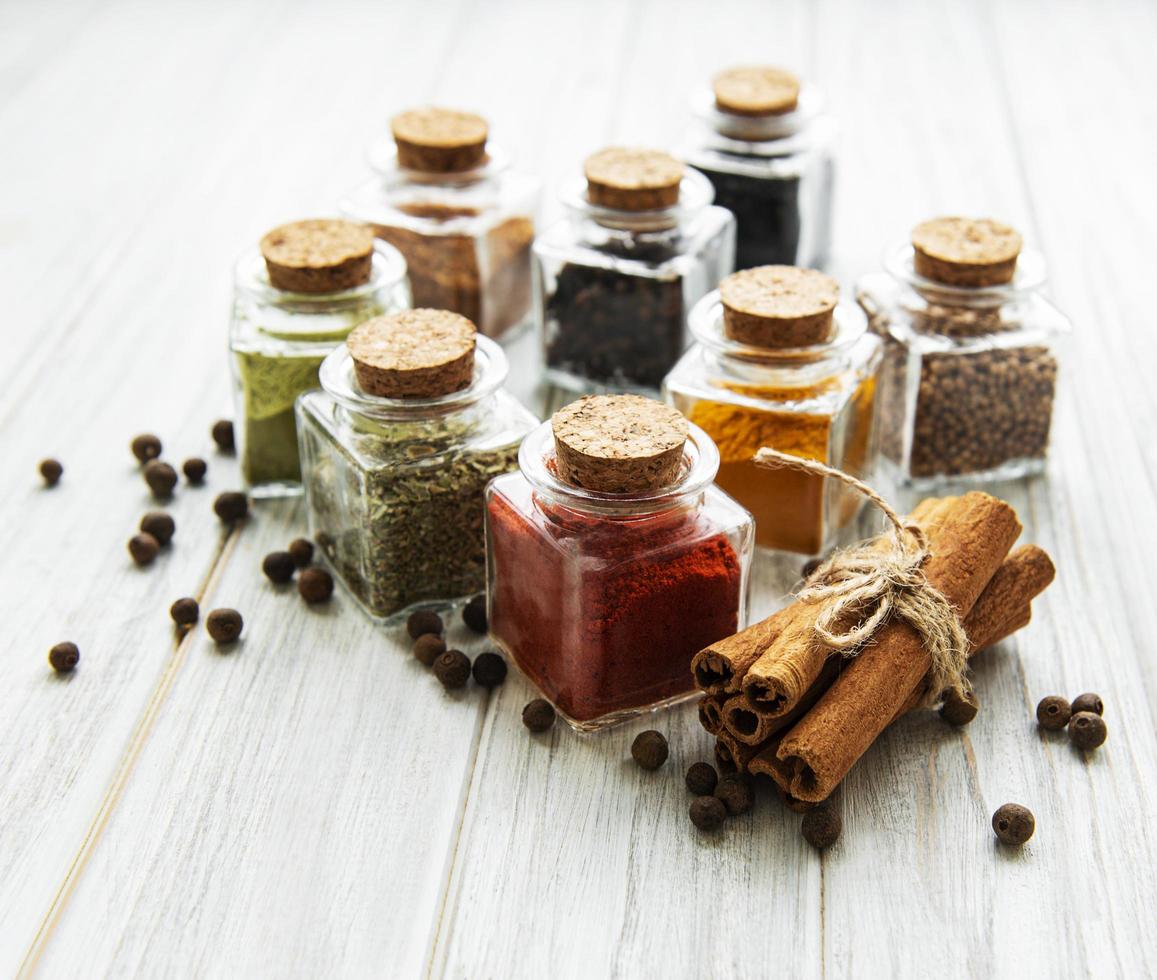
x=822 y=827
x=51 y=472
x=474 y=614
x=1087 y=730
x=649 y=749
x=224 y=625
x=222 y=432
x=701 y=779
x=278 y=566
x=452 y=668
x=145 y=447
x=185 y=612
x=959 y=708
x=161 y=478
x=734 y=792
x=230 y=506
x=160 y=525
x=489 y=670
x=707 y=813
x=538 y=715
x=1013 y=824
x=143 y=547
x=315 y=584
x=1088 y=702
x=64 y=657
x=301 y=551
x=423 y=621
x=428 y=647
x=195 y=469
x=1053 y=713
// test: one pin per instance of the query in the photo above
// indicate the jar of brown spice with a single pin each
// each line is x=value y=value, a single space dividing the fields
x=446 y=198
x=970 y=353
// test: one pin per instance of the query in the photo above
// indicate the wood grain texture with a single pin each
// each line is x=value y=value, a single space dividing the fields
x=312 y=803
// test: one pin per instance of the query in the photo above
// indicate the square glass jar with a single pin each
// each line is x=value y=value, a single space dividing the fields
x=612 y=288
x=277 y=342
x=816 y=402
x=465 y=235
x=776 y=174
x=603 y=599
x=394 y=487
x=970 y=373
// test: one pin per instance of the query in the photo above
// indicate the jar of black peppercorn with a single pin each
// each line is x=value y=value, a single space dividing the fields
x=970 y=353
x=614 y=280
x=764 y=142
x=449 y=201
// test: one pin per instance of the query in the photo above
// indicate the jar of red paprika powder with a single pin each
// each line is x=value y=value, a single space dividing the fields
x=612 y=559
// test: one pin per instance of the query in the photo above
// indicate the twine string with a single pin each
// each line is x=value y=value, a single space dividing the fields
x=866 y=585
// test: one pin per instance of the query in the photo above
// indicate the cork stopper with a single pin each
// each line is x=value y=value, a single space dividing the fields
x=756 y=90
x=618 y=443
x=778 y=306
x=319 y=255
x=633 y=179
x=439 y=141
x=413 y=354
x=966 y=251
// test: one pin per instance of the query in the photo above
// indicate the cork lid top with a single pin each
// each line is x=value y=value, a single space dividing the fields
x=633 y=178
x=413 y=354
x=966 y=251
x=439 y=140
x=778 y=306
x=618 y=443
x=318 y=254
x=756 y=90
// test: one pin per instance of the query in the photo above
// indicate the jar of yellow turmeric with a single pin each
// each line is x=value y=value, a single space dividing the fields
x=779 y=361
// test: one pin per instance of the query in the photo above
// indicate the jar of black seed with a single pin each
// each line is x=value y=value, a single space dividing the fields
x=614 y=281
x=969 y=378
x=764 y=142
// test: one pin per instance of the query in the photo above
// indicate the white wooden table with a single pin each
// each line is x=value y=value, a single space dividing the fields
x=313 y=804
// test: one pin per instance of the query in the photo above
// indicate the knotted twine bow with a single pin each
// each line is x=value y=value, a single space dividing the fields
x=867 y=586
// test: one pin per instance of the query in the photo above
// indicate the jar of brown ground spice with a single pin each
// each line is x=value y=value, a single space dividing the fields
x=614 y=280
x=448 y=201
x=970 y=363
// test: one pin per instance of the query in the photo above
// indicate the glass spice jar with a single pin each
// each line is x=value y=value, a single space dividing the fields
x=449 y=202
x=615 y=279
x=765 y=143
x=410 y=425
x=778 y=380
x=296 y=297
x=970 y=353
x=603 y=596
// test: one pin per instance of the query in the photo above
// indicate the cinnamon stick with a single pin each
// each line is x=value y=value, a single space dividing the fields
x=754 y=728
x=719 y=668
x=973 y=540
x=711 y=713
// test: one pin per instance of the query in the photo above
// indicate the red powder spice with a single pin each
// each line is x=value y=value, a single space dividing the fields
x=605 y=614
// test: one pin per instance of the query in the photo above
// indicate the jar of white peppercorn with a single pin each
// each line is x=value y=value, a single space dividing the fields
x=764 y=141
x=970 y=353
x=411 y=424
x=615 y=280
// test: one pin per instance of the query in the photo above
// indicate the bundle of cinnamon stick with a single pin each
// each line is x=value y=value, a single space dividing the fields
x=783 y=704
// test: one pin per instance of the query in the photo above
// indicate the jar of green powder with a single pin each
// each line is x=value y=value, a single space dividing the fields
x=296 y=297
x=397 y=448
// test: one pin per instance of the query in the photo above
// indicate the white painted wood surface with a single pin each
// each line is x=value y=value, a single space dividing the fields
x=312 y=804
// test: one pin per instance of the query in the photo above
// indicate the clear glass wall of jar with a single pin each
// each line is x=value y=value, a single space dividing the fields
x=774 y=173
x=603 y=599
x=394 y=487
x=969 y=378
x=817 y=402
x=613 y=287
x=466 y=235
x=278 y=340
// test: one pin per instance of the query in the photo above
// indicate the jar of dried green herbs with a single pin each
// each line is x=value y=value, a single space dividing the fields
x=296 y=297
x=411 y=424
